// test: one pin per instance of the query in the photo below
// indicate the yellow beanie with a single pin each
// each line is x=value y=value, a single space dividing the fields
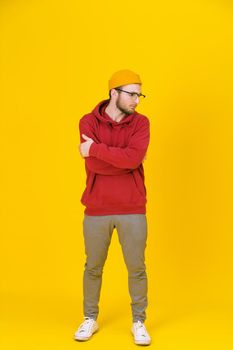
x=123 y=77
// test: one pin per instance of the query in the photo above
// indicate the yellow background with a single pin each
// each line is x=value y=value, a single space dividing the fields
x=55 y=61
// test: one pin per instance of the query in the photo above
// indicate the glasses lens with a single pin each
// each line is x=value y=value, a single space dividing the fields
x=135 y=95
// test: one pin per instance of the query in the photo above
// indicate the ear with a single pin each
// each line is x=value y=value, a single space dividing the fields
x=114 y=93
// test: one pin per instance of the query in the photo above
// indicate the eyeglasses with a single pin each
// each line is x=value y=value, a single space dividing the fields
x=132 y=94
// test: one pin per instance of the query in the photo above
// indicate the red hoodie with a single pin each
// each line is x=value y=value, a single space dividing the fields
x=115 y=175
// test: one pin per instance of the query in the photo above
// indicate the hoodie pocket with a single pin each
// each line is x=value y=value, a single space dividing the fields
x=114 y=191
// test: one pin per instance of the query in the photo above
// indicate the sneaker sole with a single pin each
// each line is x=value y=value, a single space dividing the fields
x=86 y=338
x=142 y=343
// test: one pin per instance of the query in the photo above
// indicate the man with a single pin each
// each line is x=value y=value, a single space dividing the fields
x=114 y=141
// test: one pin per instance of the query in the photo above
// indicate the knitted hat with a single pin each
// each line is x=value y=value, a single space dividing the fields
x=123 y=77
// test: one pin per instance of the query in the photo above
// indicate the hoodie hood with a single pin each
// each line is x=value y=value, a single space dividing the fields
x=99 y=112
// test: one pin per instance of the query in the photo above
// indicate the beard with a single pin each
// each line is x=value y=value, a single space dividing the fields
x=124 y=109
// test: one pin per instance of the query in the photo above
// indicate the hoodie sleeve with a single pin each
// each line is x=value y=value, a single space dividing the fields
x=129 y=157
x=94 y=164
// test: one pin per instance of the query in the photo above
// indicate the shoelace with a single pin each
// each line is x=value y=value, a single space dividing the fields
x=86 y=325
x=141 y=329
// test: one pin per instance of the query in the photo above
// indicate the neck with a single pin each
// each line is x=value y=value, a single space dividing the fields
x=114 y=113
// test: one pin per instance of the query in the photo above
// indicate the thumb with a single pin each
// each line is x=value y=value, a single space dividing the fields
x=85 y=137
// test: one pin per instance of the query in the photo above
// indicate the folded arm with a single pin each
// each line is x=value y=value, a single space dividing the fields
x=129 y=157
x=94 y=164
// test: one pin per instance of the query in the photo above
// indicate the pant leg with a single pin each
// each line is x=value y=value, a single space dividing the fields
x=132 y=233
x=97 y=237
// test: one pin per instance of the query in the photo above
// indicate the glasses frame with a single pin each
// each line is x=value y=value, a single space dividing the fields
x=131 y=93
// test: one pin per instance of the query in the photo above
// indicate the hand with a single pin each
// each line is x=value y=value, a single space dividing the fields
x=84 y=147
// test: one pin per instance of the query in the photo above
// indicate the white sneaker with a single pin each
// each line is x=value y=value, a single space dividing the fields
x=141 y=336
x=86 y=329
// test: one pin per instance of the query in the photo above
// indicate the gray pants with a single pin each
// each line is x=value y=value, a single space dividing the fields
x=132 y=234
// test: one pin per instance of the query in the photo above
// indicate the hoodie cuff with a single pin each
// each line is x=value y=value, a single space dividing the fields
x=93 y=149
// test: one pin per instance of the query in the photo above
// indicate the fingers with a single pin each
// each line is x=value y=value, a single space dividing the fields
x=80 y=150
x=85 y=146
